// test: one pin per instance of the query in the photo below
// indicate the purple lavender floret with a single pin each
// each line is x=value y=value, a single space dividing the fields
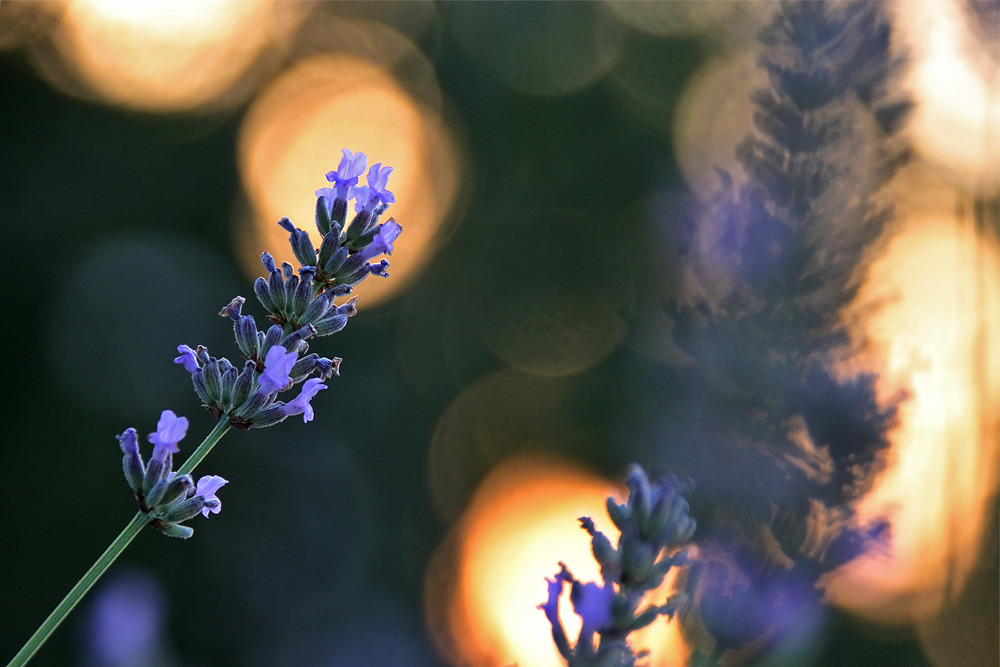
x=592 y=603
x=277 y=365
x=187 y=358
x=170 y=430
x=368 y=197
x=384 y=238
x=300 y=404
x=207 y=487
x=344 y=179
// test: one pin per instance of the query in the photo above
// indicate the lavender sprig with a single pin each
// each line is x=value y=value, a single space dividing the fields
x=654 y=524
x=300 y=306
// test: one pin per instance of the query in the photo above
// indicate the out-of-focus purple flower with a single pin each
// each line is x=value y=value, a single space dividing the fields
x=277 y=365
x=125 y=623
x=170 y=430
x=382 y=243
x=300 y=404
x=187 y=358
x=551 y=609
x=375 y=193
x=207 y=487
x=592 y=603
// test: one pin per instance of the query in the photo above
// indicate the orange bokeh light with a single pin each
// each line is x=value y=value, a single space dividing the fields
x=520 y=524
x=159 y=56
x=955 y=84
x=293 y=135
x=936 y=336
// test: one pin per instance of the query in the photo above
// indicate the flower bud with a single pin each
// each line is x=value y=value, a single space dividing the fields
x=263 y=292
x=303 y=293
x=335 y=261
x=177 y=489
x=213 y=381
x=245 y=329
x=637 y=558
x=156 y=471
x=276 y=288
x=620 y=514
x=323 y=221
x=243 y=384
x=330 y=324
x=131 y=460
x=173 y=529
x=184 y=510
x=302 y=247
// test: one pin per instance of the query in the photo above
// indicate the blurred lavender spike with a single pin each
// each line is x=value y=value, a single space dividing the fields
x=793 y=248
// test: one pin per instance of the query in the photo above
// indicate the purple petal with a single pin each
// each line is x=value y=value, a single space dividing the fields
x=187 y=358
x=361 y=196
x=277 y=365
x=592 y=603
x=170 y=430
x=207 y=487
x=300 y=404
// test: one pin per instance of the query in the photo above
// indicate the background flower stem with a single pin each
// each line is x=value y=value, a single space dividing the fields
x=108 y=557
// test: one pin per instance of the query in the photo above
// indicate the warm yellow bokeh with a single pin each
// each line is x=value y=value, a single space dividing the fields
x=714 y=115
x=294 y=133
x=164 y=56
x=520 y=524
x=931 y=317
x=955 y=84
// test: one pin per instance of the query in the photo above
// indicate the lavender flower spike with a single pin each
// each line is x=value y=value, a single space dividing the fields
x=300 y=404
x=277 y=365
x=207 y=487
x=170 y=430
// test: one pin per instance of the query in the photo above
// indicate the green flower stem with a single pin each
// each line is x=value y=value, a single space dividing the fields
x=79 y=590
x=109 y=556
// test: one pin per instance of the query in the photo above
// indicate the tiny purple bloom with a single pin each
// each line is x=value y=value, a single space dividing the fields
x=371 y=195
x=207 y=487
x=187 y=358
x=300 y=404
x=170 y=430
x=592 y=603
x=277 y=365
x=125 y=622
x=346 y=177
x=382 y=243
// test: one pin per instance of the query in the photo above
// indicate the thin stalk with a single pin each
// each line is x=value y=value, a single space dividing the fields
x=79 y=590
x=109 y=556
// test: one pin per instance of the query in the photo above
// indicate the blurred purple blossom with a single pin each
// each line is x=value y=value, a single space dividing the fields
x=125 y=623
